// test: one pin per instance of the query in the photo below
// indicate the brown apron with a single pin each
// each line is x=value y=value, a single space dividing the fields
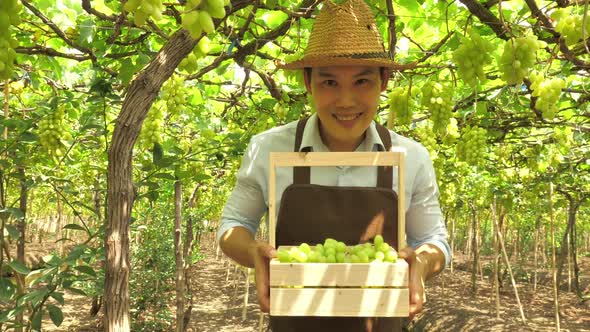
x=311 y=213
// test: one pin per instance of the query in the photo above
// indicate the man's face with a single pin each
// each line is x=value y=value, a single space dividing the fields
x=346 y=99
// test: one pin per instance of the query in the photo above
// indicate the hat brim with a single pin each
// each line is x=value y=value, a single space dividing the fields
x=343 y=61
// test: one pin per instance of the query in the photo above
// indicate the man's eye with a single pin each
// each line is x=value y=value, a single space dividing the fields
x=362 y=81
x=330 y=83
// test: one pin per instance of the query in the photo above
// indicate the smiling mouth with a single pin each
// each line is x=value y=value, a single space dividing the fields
x=347 y=117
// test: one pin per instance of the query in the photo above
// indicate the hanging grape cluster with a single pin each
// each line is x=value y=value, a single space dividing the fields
x=439 y=100
x=401 y=105
x=199 y=15
x=190 y=63
x=518 y=57
x=173 y=94
x=547 y=92
x=151 y=131
x=570 y=26
x=471 y=147
x=52 y=130
x=563 y=138
x=9 y=10
x=425 y=137
x=332 y=251
x=144 y=9
x=471 y=56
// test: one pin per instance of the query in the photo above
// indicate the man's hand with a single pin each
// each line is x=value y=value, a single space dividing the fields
x=261 y=253
x=417 y=277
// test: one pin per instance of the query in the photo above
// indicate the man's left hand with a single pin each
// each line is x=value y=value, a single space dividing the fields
x=417 y=277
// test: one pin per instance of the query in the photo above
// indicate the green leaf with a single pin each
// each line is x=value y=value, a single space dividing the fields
x=16 y=213
x=52 y=260
x=36 y=321
x=34 y=297
x=164 y=176
x=57 y=317
x=7 y=289
x=28 y=137
x=86 y=270
x=86 y=32
x=19 y=267
x=411 y=5
x=59 y=297
x=157 y=153
x=77 y=291
x=75 y=227
x=12 y=231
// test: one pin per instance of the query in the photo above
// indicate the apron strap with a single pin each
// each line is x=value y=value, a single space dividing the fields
x=301 y=175
x=384 y=173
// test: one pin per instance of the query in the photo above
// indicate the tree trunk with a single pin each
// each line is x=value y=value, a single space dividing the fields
x=58 y=224
x=507 y=262
x=21 y=225
x=140 y=96
x=536 y=255
x=495 y=258
x=574 y=261
x=555 y=273
x=188 y=244
x=453 y=230
x=474 y=226
x=179 y=258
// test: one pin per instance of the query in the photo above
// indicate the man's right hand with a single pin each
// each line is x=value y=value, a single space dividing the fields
x=261 y=253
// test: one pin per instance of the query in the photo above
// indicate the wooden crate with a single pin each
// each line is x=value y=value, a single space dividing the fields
x=339 y=289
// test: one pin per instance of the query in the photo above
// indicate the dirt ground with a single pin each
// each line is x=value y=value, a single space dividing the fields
x=219 y=289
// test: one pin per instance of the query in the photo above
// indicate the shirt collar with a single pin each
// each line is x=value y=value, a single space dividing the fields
x=311 y=137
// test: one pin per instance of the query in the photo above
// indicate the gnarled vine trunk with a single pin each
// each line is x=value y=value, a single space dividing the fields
x=141 y=94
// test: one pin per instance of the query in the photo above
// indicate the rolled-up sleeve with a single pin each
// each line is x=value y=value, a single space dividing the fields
x=246 y=205
x=424 y=220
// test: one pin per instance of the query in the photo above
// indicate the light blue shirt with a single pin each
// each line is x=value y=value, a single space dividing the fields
x=249 y=199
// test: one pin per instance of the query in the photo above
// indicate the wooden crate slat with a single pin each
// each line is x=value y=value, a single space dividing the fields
x=339 y=274
x=339 y=302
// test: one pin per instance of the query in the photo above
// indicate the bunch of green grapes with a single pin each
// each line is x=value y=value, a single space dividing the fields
x=472 y=148
x=471 y=56
x=190 y=63
x=570 y=26
x=199 y=15
x=439 y=100
x=52 y=130
x=333 y=251
x=426 y=137
x=547 y=92
x=151 y=131
x=401 y=105
x=143 y=9
x=452 y=133
x=518 y=57
x=9 y=15
x=563 y=138
x=173 y=94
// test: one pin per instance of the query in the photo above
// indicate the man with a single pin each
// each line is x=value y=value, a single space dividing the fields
x=346 y=68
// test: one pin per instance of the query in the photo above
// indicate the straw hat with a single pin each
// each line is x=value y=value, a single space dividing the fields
x=344 y=35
